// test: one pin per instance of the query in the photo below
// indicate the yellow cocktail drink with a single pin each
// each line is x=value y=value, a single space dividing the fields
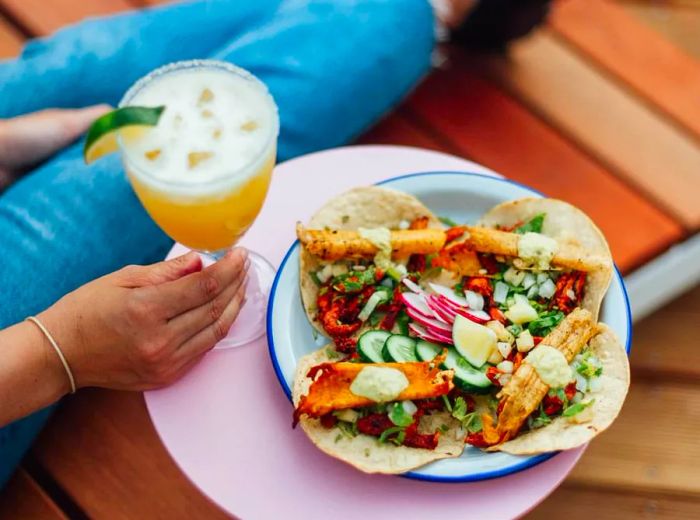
x=203 y=172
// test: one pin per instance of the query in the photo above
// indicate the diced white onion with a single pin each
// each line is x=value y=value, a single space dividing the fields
x=595 y=384
x=547 y=289
x=513 y=276
x=504 y=348
x=324 y=274
x=474 y=300
x=409 y=407
x=542 y=277
x=529 y=280
x=504 y=379
x=577 y=397
x=404 y=224
x=581 y=383
x=338 y=269
x=500 y=292
x=505 y=366
x=525 y=342
x=495 y=357
x=532 y=291
x=571 y=294
x=522 y=300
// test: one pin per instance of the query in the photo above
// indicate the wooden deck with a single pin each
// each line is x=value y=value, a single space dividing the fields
x=600 y=108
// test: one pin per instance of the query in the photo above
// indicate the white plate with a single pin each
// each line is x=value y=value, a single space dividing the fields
x=463 y=197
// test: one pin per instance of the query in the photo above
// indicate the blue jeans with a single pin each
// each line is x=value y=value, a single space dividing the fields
x=334 y=67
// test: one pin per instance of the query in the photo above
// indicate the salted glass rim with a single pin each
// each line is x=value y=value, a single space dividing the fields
x=224 y=66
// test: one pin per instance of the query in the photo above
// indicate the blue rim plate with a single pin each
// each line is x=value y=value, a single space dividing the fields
x=462 y=196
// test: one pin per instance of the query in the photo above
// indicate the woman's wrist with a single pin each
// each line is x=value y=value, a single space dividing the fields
x=31 y=374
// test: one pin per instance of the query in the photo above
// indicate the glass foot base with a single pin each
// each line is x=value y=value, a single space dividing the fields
x=251 y=321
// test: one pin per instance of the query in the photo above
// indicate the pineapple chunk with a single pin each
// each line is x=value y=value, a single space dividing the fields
x=152 y=155
x=521 y=312
x=473 y=341
x=249 y=126
x=195 y=158
x=206 y=96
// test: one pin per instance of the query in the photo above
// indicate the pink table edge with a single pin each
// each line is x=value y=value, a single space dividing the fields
x=194 y=439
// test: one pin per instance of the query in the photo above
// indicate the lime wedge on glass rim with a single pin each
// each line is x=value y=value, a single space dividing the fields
x=128 y=121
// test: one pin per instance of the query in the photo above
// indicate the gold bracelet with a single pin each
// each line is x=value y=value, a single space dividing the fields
x=55 y=346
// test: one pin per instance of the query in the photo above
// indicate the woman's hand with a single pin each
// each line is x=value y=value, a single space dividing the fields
x=144 y=327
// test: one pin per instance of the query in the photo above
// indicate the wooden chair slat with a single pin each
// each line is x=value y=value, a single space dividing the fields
x=652 y=447
x=607 y=121
x=578 y=503
x=24 y=498
x=10 y=39
x=102 y=449
x=487 y=125
x=41 y=18
x=678 y=23
x=659 y=71
x=665 y=343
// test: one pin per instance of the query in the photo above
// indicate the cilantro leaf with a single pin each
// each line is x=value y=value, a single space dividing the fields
x=577 y=408
x=534 y=225
x=448 y=221
x=399 y=416
x=389 y=432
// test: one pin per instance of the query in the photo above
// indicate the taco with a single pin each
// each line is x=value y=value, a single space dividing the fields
x=331 y=268
x=393 y=436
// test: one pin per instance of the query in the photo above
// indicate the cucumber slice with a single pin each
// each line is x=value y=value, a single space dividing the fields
x=426 y=351
x=400 y=349
x=466 y=377
x=370 y=345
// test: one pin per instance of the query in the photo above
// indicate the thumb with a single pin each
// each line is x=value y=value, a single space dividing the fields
x=162 y=272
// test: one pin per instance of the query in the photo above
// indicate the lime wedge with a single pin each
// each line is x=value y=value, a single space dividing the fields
x=102 y=135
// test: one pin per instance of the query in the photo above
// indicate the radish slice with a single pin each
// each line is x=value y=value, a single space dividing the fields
x=417 y=303
x=414 y=287
x=449 y=294
x=475 y=316
x=434 y=324
x=424 y=334
x=439 y=309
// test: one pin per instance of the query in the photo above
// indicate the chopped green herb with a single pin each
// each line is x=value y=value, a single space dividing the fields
x=338 y=437
x=448 y=405
x=314 y=277
x=367 y=452
x=533 y=226
x=389 y=432
x=589 y=366
x=542 y=419
x=394 y=274
x=514 y=329
x=448 y=221
x=402 y=322
x=544 y=324
x=443 y=428
x=376 y=318
x=348 y=429
x=399 y=416
x=332 y=353
x=345 y=218
x=577 y=408
x=470 y=421
x=459 y=289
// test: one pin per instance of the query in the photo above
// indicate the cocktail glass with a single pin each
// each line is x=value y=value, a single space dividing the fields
x=203 y=172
